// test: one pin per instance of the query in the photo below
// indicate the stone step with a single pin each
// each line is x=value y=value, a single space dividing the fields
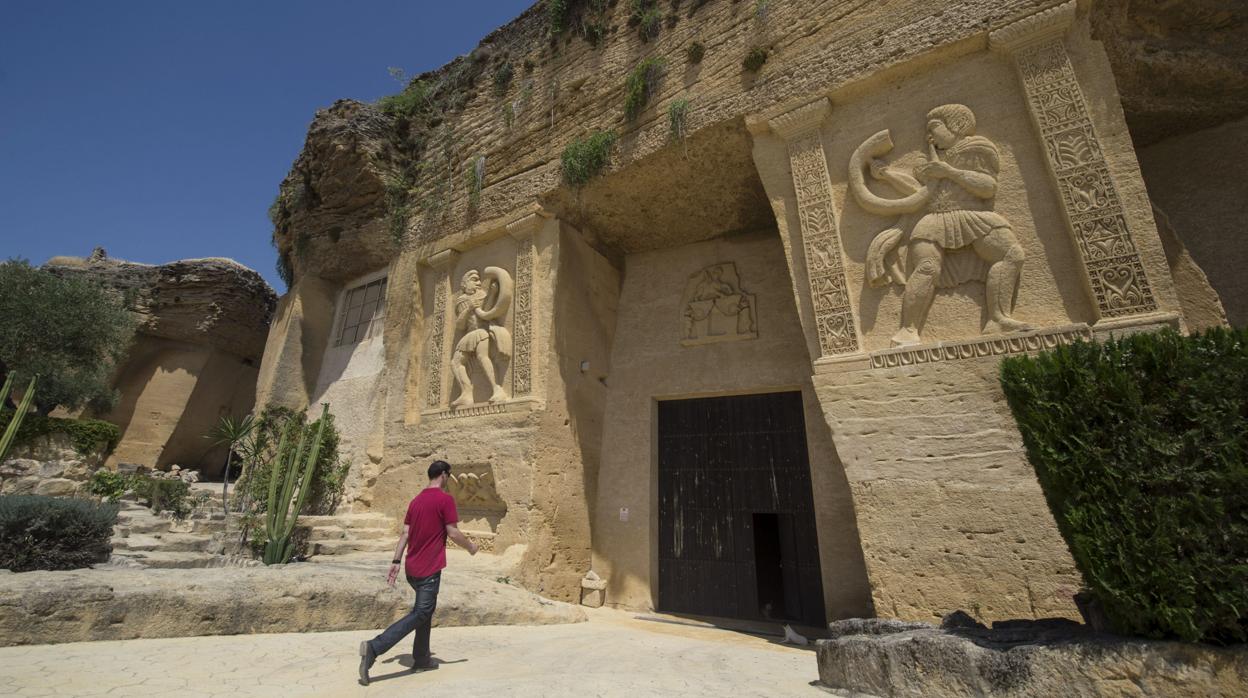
x=181 y=560
x=323 y=533
x=165 y=542
x=339 y=547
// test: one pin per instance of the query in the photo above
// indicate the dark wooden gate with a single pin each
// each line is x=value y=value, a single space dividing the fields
x=736 y=515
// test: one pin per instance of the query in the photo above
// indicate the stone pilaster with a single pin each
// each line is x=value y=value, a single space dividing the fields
x=523 y=231
x=834 y=318
x=1090 y=202
x=435 y=353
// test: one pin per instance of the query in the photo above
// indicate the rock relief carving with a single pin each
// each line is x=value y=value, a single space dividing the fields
x=475 y=491
x=482 y=302
x=716 y=308
x=946 y=232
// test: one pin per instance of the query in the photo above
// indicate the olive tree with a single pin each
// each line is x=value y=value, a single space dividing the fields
x=69 y=332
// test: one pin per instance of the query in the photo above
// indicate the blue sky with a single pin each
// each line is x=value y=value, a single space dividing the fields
x=161 y=129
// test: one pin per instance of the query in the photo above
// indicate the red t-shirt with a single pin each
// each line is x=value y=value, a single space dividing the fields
x=427 y=518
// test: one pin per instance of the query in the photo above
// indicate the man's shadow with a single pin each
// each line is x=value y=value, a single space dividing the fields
x=407 y=662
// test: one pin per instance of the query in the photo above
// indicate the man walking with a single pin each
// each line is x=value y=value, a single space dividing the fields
x=431 y=519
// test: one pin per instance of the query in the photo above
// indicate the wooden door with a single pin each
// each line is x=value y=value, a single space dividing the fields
x=737 y=532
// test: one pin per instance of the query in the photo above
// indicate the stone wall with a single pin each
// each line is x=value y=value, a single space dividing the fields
x=48 y=466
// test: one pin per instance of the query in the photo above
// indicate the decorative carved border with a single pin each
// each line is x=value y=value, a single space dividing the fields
x=1076 y=160
x=514 y=405
x=821 y=242
x=434 y=353
x=522 y=329
x=433 y=397
x=980 y=348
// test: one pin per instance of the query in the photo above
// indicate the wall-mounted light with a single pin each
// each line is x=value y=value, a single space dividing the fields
x=584 y=367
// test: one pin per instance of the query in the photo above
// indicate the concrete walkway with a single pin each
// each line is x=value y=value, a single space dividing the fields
x=615 y=654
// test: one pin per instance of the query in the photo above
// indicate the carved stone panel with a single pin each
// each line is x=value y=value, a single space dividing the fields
x=437 y=337
x=483 y=343
x=472 y=486
x=716 y=309
x=522 y=359
x=834 y=317
x=1076 y=161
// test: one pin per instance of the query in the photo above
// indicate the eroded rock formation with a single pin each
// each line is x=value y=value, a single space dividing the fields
x=203 y=325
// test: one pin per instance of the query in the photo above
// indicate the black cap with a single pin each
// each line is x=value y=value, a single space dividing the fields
x=438 y=467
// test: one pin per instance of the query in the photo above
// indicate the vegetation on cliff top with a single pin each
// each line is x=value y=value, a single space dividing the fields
x=71 y=332
x=585 y=158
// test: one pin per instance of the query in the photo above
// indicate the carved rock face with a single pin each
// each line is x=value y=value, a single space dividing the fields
x=1181 y=65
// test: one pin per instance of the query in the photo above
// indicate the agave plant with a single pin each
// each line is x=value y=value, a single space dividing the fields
x=295 y=469
x=10 y=432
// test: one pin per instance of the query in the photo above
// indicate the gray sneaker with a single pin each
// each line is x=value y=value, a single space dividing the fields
x=367 y=658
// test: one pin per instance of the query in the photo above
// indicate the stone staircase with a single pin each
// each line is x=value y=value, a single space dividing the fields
x=143 y=537
x=344 y=534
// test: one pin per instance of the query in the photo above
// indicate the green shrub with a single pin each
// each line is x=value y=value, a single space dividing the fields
x=71 y=332
x=502 y=78
x=88 y=436
x=754 y=60
x=53 y=533
x=677 y=118
x=164 y=494
x=640 y=85
x=694 y=52
x=108 y=484
x=1141 y=447
x=583 y=159
x=646 y=17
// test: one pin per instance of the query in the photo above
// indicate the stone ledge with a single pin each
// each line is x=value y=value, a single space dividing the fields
x=1021 y=658
x=483 y=409
x=122 y=604
x=997 y=345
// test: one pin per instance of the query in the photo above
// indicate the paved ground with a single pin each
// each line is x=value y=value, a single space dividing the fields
x=615 y=654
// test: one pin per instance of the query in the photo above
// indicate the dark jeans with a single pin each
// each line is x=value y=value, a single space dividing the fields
x=420 y=620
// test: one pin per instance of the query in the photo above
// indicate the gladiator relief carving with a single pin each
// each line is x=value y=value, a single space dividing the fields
x=480 y=308
x=945 y=219
x=716 y=309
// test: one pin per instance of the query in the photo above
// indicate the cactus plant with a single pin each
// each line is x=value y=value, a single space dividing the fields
x=281 y=515
x=10 y=432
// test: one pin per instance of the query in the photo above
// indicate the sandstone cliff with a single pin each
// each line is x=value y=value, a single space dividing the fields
x=214 y=302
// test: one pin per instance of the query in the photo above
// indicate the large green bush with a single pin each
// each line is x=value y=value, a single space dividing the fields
x=1140 y=445
x=52 y=533
x=70 y=332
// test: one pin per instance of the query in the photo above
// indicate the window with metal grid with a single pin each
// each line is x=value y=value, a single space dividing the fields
x=364 y=309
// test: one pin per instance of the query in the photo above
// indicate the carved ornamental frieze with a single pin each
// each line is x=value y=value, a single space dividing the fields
x=821 y=242
x=716 y=309
x=1090 y=201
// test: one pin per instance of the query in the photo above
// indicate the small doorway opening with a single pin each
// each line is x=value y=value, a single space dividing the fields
x=768 y=566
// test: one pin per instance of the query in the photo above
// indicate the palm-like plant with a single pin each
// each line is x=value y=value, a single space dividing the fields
x=231 y=432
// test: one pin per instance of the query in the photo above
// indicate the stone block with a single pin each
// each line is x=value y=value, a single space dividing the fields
x=56 y=487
